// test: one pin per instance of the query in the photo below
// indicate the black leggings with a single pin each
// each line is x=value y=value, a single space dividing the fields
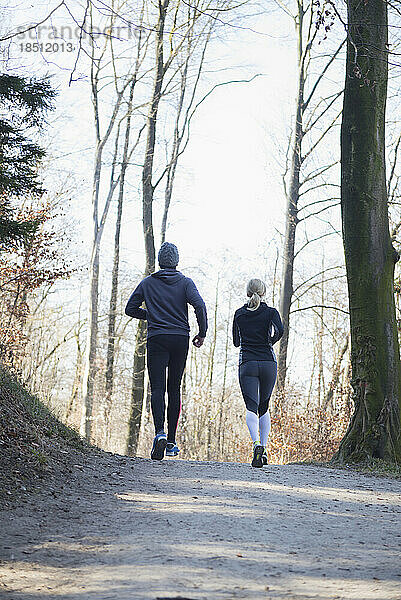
x=166 y=352
x=257 y=379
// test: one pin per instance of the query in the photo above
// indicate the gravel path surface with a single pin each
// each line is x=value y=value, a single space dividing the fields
x=121 y=528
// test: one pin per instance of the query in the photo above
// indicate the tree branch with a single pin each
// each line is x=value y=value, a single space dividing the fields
x=317 y=212
x=319 y=306
x=325 y=132
x=319 y=79
x=19 y=32
x=318 y=172
x=314 y=240
x=317 y=275
x=315 y=187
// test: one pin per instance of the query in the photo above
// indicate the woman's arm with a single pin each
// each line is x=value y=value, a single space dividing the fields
x=278 y=328
x=236 y=336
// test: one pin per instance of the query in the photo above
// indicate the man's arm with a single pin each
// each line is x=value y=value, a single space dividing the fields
x=133 y=305
x=277 y=326
x=194 y=298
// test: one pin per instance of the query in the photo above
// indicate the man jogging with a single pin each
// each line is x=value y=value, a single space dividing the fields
x=167 y=294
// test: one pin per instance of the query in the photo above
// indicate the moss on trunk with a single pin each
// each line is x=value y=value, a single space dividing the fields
x=374 y=431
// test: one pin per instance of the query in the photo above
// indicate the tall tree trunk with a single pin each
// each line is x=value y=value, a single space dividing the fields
x=177 y=138
x=291 y=214
x=374 y=430
x=147 y=186
x=223 y=387
x=92 y=325
x=184 y=415
x=76 y=385
x=116 y=264
x=320 y=378
x=88 y=379
x=147 y=221
x=98 y=227
x=210 y=419
x=138 y=377
x=116 y=261
x=111 y=333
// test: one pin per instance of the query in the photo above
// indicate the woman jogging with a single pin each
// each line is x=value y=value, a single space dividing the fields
x=256 y=328
x=167 y=294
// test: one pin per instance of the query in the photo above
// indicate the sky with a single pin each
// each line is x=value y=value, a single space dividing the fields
x=228 y=192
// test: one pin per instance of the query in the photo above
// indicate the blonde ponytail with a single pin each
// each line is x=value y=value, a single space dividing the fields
x=255 y=290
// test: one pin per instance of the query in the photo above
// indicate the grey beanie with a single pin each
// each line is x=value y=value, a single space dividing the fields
x=168 y=256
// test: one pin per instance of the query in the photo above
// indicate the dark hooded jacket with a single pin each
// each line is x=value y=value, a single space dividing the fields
x=167 y=294
x=256 y=331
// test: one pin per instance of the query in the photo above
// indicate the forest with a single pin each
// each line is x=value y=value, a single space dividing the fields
x=263 y=139
x=241 y=160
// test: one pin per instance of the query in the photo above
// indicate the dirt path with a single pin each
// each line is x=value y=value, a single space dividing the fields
x=135 y=529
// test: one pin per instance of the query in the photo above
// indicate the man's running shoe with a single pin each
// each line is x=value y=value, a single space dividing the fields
x=159 y=446
x=257 y=460
x=172 y=449
x=264 y=457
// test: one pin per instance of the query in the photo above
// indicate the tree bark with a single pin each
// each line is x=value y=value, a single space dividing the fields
x=374 y=430
x=147 y=187
x=138 y=376
x=90 y=359
x=320 y=377
x=177 y=139
x=114 y=278
x=211 y=362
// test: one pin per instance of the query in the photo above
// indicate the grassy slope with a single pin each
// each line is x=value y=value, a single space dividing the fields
x=34 y=444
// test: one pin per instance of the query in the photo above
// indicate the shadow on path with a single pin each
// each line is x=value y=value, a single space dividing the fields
x=132 y=528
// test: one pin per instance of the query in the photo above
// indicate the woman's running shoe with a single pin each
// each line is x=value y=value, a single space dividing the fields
x=258 y=450
x=172 y=449
x=159 y=446
x=264 y=457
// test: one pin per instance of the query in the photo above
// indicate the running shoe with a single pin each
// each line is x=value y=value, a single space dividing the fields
x=264 y=457
x=257 y=460
x=172 y=449
x=159 y=446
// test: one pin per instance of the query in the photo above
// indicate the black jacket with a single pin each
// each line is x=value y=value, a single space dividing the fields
x=256 y=331
x=167 y=294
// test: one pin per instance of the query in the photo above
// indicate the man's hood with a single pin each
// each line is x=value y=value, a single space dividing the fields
x=169 y=276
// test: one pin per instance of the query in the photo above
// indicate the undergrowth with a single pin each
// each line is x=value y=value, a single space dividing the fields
x=376 y=466
x=33 y=442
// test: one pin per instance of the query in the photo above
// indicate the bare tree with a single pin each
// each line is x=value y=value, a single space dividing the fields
x=147 y=222
x=126 y=154
x=304 y=20
x=112 y=127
